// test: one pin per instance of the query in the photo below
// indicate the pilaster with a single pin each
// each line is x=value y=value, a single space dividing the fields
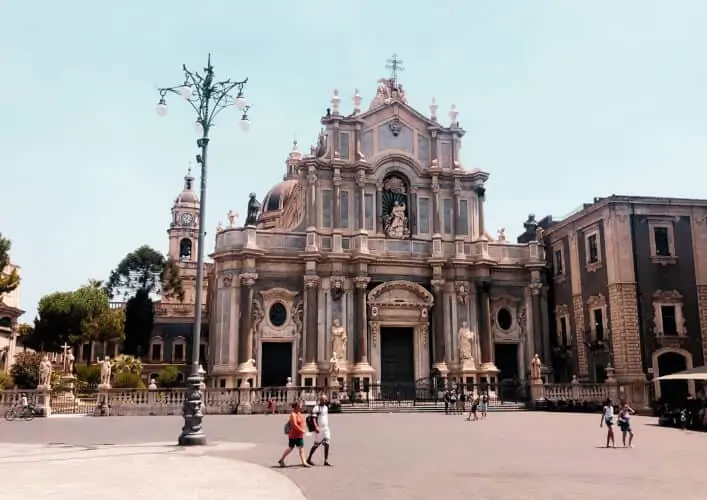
x=578 y=305
x=699 y=243
x=438 y=322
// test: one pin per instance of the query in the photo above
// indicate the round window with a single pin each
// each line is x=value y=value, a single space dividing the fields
x=278 y=314
x=504 y=319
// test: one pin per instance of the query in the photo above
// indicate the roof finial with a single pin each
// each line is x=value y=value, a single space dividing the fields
x=188 y=179
x=395 y=66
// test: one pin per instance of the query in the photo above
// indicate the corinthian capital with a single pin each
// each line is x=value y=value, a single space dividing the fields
x=312 y=174
x=311 y=281
x=438 y=285
x=361 y=282
x=248 y=279
x=535 y=288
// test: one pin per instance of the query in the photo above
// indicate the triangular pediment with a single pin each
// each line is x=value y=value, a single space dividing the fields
x=405 y=113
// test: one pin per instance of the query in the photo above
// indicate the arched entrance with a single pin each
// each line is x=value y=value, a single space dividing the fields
x=399 y=323
x=667 y=361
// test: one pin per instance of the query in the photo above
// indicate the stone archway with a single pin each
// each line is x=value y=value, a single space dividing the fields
x=661 y=357
x=401 y=305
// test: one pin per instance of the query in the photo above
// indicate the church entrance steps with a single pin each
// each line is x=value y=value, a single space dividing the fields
x=420 y=407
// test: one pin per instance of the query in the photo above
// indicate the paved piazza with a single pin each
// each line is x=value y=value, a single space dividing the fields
x=518 y=455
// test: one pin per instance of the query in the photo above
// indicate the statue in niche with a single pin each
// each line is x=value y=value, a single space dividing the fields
x=395 y=208
x=253 y=210
x=467 y=343
x=338 y=339
x=337 y=290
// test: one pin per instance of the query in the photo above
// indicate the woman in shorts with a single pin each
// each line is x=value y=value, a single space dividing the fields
x=625 y=424
x=474 y=406
x=607 y=417
x=295 y=429
x=484 y=405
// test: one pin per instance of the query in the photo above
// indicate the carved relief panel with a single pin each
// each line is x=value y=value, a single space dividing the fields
x=507 y=318
x=277 y=315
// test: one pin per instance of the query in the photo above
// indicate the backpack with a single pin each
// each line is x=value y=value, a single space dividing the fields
x=288 y=425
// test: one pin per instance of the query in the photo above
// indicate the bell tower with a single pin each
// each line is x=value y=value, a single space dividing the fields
x=184 y=229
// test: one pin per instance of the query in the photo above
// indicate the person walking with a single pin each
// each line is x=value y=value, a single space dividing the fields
x=295 y=430
x=625 y=424
x=607 y=417
x=322 y=436
x=484 y=405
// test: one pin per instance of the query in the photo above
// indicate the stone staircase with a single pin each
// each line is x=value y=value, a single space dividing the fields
x=419 y=407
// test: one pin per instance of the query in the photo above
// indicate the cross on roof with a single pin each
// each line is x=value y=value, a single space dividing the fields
x=394 y=65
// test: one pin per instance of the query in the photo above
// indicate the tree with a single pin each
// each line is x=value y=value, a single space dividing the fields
x=167 y=377
x=11 y=280
x=79 y=316
x=141 y=275
x=25 y=370
x=127 y=364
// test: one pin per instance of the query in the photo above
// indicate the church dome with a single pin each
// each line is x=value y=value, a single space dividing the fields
x=187 y=196
x=283 y=206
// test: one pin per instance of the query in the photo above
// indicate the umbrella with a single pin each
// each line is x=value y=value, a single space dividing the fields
x=699 y=373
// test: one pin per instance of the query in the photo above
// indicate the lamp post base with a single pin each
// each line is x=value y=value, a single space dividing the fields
x=192 y=433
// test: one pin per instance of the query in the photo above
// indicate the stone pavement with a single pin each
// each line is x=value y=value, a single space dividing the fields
x=63 y=472
x=528 y=455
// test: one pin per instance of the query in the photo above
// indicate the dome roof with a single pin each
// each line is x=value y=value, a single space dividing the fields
x=283 y=206
x=187 y=196
x=276 y=197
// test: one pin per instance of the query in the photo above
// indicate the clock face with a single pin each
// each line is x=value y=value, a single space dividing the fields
x=187 y=219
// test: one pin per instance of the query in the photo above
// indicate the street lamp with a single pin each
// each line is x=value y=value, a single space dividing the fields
x=208 y=98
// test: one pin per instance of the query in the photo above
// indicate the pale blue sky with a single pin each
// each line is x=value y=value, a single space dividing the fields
x=562 y=101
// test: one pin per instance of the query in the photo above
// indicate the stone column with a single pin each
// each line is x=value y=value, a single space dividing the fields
x=311 y=295
x=245 y=334
x=311 y=197
x=537 y=320
x=337 y=198
x=439 y=345
x=360 y=319
x=435 y=205
x=379 y=207
x=484 y=308
x=455 y=209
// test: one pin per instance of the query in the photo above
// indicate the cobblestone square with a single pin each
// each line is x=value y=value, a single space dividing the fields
x=519 y=455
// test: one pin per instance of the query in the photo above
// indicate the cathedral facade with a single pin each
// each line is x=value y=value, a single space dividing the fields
x=370 y=264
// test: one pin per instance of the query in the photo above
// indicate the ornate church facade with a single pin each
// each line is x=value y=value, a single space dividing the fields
x=370 y=263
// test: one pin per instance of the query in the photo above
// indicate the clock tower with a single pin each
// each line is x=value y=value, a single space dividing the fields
x=184 y=229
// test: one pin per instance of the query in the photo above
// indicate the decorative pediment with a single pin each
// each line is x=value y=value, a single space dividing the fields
x=596 y=300
x=400 y=293
x=273 y=294
x=668 y=297
x=562 y=310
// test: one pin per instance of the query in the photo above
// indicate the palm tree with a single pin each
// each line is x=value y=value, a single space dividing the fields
x=127 y=364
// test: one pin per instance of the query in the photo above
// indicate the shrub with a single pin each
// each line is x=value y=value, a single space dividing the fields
x=167 y=377
x=25 y=371
x=127 y=380
x=89 y=374
x=6 y=381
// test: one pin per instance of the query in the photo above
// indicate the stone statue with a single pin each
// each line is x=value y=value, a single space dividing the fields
x=536 y=368
x=338 y=339
x=70 y=363
x=502 y=234
x=106 y=369
x=45 y=372
x=232 y=216
x=153 y=385
x=253 y=210
x=334 y=363
x=467 y=342
x=397 y=221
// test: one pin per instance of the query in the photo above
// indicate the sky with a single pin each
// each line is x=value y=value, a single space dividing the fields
x=562 y=101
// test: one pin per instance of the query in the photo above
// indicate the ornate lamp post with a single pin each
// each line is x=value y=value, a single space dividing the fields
x=208 y=97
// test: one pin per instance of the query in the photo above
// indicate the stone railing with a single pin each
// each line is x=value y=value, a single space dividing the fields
x=595 y=393
x=501 y=252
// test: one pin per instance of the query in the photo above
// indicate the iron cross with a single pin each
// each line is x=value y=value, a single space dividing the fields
x=394 y=65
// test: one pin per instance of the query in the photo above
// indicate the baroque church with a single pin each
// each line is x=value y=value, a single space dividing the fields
x=368 y=264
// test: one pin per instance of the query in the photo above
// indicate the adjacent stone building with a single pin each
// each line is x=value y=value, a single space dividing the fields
x=628 y=289
x=370 y=263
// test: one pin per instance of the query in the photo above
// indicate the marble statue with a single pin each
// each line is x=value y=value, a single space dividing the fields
x=334 y=363
x=536 y=368
x=70 y=363
x=106 y=369
x=501 y=234
x=45 y=372
x=467 y=342
x=397 y=225
x=338 y=339
x=153 y=385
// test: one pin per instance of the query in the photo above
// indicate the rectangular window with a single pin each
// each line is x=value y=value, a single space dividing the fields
x=202 y=354
x=344 y=209
x=563 y=331
x=598 y=324
x=178 y=353
x=447 y=215
x=592 y=249
x=558 y=263
x=222 y=383
x=662 y=241
x=424 y=215
x=670 y=323
x=156 y=352
x=463 y=217
x=327 y=201
x=370 y=213
x=344 y=145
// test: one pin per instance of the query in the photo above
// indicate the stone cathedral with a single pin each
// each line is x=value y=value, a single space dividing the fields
x=370 y=264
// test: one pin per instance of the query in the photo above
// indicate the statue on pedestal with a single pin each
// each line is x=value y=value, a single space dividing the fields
x=338 y=340
x=106 y=369
x=45 y=372
x=334 y=363
x=536 y=369
x=467 y=344
x=70 y=363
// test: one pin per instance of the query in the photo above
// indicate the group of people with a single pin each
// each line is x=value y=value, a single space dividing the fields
x=624 y=423
x=456 y=401
x=297 y=426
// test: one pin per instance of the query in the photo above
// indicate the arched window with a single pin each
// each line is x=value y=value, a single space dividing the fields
x=185 y=249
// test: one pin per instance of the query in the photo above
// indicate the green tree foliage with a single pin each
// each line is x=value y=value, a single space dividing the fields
x=89 y=374
x=78 y=316
x=8 y=282
x=6 y=381
x=127 y=364
x=141 y=275
x=167 y=377
x=25 y=371
x=128 y=381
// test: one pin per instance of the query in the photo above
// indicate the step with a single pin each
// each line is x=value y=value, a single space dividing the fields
x=422 y=408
